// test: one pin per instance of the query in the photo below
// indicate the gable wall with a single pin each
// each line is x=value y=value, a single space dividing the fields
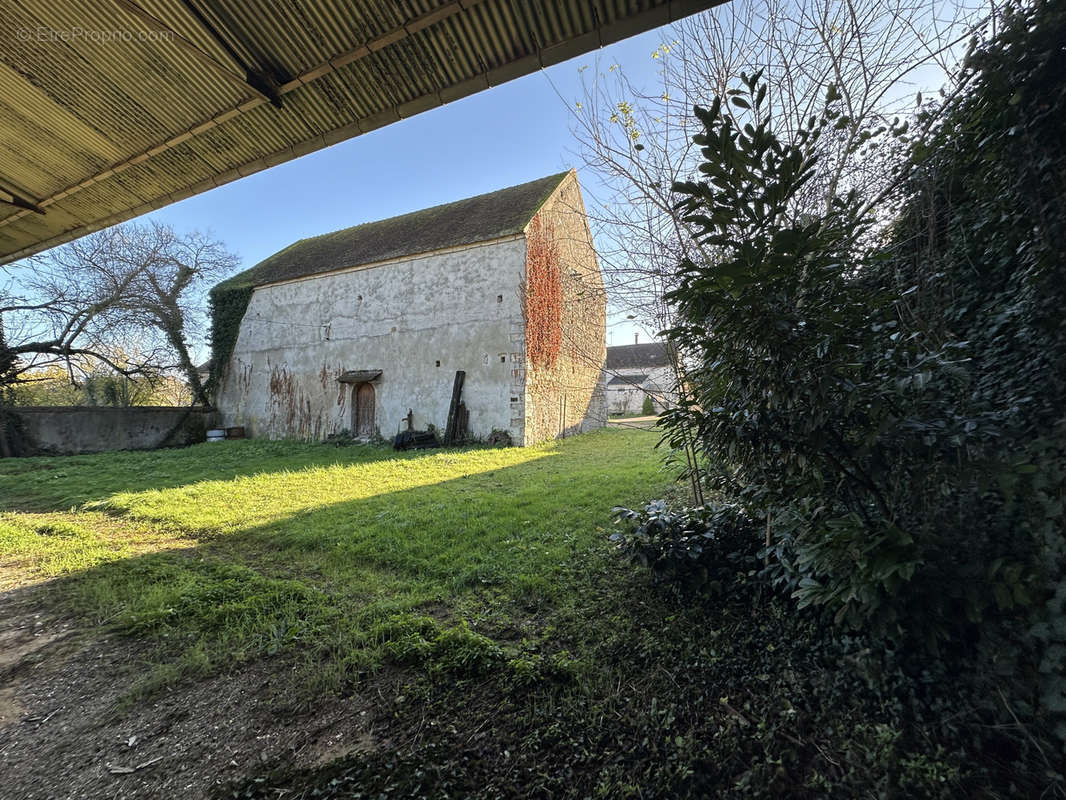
x=569 y=396
x=298 y=337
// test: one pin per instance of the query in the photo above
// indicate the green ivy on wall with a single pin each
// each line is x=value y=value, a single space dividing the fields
x=228 y=303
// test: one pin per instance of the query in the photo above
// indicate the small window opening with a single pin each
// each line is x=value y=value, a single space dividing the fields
x=360 y=298
x=438 y=363
x=499 y=298
x=503 y=358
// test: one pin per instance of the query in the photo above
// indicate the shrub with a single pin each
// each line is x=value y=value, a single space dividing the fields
x=710 y=546
x=532 y=669
x=647 y=408
x=849 y=407
x=461 y=651
x=412 y=639
x=407 y=638
x=889 y=399
x=499 y=438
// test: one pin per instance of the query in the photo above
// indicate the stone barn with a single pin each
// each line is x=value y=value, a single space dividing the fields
x=365 y=329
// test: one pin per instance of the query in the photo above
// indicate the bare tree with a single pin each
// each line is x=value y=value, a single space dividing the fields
x=129 y=297
x=876 y=55
x=168 y=293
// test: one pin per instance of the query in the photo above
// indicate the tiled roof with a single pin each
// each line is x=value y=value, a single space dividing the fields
x=475 y=219
x=627 y=380
x=629 y=356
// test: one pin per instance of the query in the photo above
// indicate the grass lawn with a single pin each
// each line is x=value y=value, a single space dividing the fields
x=471 y=594
x=337 y=555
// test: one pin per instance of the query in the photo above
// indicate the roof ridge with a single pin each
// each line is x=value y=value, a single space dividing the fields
x=640 y=355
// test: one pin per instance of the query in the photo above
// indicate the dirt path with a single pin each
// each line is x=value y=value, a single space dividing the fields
x=62 y=737
x=645 y=423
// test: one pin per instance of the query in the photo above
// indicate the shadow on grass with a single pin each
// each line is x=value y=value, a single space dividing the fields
x=319 y=584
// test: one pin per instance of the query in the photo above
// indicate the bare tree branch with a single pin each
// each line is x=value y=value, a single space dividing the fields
x=129 y=297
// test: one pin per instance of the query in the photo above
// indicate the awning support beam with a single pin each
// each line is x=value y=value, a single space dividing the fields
x=262 y=89
x=10 y=198
x=257 y=79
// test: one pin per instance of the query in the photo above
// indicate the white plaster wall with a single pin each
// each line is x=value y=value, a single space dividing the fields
x=623 y=399
x=460 y=307
x=660 y=383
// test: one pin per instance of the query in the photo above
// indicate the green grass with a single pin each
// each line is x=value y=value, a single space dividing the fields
x=335 y=556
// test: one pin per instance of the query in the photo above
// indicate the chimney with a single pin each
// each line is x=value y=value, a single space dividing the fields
x=636 y=338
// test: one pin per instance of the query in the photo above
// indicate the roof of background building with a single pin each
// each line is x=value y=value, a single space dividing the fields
x=464 y=222
x=629 y=356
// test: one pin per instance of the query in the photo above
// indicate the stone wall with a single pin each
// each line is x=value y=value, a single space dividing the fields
x=569 y=396
x=418 y=320
x=79 y=429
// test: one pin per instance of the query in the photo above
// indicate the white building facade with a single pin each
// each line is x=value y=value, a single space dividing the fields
x=334 y=339
x=638 y=371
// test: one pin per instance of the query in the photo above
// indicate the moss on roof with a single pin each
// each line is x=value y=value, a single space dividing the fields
x=475 y=219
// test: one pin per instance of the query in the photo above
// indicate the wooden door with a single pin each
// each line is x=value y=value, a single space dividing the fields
x=363 y=410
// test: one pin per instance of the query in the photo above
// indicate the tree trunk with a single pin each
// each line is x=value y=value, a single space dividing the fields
x=170 y=320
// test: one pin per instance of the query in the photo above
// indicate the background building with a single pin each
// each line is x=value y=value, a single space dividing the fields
x=635 y=371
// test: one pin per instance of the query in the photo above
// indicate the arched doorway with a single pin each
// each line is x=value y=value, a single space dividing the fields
x=363 y=410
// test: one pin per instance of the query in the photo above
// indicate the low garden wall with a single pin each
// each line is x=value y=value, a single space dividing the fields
x=94 y=429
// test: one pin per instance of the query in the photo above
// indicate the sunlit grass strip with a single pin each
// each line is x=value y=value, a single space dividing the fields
x=229 y=505
x=36 y=547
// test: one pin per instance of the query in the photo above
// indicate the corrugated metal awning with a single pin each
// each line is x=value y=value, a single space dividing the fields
x=359 y=375
x=112 y=108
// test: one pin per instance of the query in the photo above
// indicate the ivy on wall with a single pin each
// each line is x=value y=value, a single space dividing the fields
x=543 y=295
x=228 y=305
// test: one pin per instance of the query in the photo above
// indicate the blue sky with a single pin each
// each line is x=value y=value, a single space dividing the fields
x=510 y=134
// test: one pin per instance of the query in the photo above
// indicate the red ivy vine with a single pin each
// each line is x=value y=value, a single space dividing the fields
x=543 y=306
